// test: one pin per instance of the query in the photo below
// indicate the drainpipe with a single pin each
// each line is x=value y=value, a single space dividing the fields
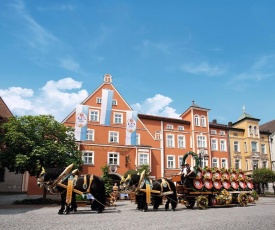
x=161 y=150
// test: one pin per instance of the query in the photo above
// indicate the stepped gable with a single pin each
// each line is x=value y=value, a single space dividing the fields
x=269 y=126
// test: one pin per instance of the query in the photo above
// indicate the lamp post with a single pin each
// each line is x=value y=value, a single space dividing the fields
x=202 y=155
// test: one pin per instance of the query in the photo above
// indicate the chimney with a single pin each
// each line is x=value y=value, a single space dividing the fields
x=230 y=123
x=215 y=121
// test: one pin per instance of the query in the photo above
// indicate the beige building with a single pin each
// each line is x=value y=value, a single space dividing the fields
x=249 y=147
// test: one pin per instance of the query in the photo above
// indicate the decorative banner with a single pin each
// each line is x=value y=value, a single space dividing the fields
x=81 y=118
x=131 y=126
x=106 y=106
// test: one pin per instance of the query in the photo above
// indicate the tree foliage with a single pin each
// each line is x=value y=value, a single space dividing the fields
x=33 y=142
x=263 y=175
x=107 y=180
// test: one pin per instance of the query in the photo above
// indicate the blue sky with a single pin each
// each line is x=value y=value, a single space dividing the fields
x=161 y=55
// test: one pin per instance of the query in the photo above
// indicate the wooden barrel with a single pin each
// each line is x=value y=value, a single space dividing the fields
x=207 y=183
x=199 y=174
x=250 y=184
x=242 y=184
x=198 y=183
x=226 y=184
x=226 y=175
x=234 y=184
x=217 y=184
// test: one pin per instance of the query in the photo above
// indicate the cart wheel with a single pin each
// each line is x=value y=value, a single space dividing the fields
x=190 y=204
x=202 y=202
x=242 y=199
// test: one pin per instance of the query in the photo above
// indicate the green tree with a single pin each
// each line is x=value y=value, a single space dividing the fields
x=107 y=180
x=33 y=142
x=263 y=176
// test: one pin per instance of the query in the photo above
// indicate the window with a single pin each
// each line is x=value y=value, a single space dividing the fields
x=113 y=136
x=114 y=102
x=94 y=115
x=98 y=100
x=90 y=135
x=180 y=128
x=157 y=135
x=264 y=164
x=255 y=130
x=222 y=133
x=170 y=161
x=143 y=159
x=214 y=162
x=113 y=158
x=223 y=145
x=214 y=145
x=250 y=130
x=197 y=120
x=237 y=163
x=168 y=126
x=203 y=121
x=181 y=141
x=245 y=147
x=213 y=132
x=2 y=174
x=201 y=141
x=263 y=149
x=180 y=162
x=138 y=139
x=254 y=146
x=255 y=164
x=88 y=157
x=236 y=146
x=224 y=163
x=118 y=118
x=170 y=141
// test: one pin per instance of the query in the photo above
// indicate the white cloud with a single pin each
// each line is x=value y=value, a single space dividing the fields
x=53 y=99
x=157 y=105
x=69 y=64
x=204 y=69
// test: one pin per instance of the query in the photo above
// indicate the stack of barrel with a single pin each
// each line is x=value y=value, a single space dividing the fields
x=218 y=179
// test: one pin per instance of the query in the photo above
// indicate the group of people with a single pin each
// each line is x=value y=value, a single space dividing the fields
x=186 y=172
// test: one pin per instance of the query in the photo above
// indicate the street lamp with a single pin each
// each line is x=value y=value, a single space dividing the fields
x=202 y=155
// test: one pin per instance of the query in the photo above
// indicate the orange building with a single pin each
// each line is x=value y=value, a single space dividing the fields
x=109 y=132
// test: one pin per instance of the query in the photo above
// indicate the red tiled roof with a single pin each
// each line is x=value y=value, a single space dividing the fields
x=268 y=126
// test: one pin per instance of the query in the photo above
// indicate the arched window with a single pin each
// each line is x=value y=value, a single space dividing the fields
x=197 y=120
x=203 y=121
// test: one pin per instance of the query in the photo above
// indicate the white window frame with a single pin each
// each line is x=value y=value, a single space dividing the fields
x=215 y=162
x=157 y=135
x=264 y=164
x=201 y=141
x=181 y=142
x=169 y=126
x=137 y=138
x=180 y=128
x=180 y=158
x=113 y=158
x=222 y=133
x=213 y=132
x=197 y=120
x=88 y=157
x=236 y=145
x=263 y=148
x=214 y=144
x=143 y=159
x=252 y=146
x=114 y=102
x=224 y=163
x=170 y=161
x=94 y=114
x=170 y=140
x=118 y=118
x=98 y=100
x=113 y=137
x=239 y=164
x=223 y=146
x=203 y=121
x=90 y=135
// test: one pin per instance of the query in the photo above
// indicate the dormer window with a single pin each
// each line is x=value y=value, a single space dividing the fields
x=114 y=102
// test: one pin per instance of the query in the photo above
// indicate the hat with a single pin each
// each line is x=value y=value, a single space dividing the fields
x=182 y=165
